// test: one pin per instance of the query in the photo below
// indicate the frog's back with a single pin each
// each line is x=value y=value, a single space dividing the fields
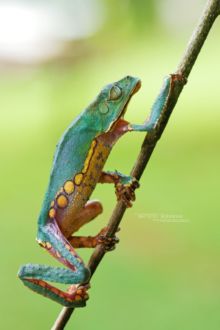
x=69 y=159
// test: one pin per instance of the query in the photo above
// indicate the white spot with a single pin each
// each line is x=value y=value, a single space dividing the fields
x=180 y=15
x=32 y=31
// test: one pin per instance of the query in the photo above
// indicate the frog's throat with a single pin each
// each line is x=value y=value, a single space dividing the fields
x=134 y=91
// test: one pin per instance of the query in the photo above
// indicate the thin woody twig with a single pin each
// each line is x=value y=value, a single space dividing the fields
x=211 y=11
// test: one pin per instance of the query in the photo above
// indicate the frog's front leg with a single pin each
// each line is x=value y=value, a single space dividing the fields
x=125 y=185
x=36 y=276
x=159 y=104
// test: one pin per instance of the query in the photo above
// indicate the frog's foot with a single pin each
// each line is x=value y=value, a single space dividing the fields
x=125 y=192
x=30 y=274
x=38 y=277
x=125 y=185
x=108 y=242
x=79 y=292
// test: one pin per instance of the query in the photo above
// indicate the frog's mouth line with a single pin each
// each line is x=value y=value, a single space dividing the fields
x=134 y=91
x=120 y=120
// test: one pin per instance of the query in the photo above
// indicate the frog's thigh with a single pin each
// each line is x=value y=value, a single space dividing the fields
x=90 y=211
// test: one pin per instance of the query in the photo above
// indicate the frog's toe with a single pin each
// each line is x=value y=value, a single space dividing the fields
x=78 y=295
x=126 y=192
x=82 y=293
x=108 y=242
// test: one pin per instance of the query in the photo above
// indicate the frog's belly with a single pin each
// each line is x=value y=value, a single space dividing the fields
x=75 y=193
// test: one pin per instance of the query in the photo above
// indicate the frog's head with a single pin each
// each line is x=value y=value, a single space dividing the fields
x=111 y=103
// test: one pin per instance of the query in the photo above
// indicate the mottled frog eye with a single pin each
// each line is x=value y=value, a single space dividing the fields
x=115 y=93
x=103 y=108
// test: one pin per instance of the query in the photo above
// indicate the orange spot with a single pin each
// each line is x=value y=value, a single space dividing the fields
x=78 y=178
x=54 y=290
x=62 y=201
x=43 y=284
x=48 y=245
x=52 y=213
x=58 y=254
x=69 y=187
x=67 y=247
x=77 y=297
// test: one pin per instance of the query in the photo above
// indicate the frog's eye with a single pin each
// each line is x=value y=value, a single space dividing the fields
x=103 y=108
x=115 y=93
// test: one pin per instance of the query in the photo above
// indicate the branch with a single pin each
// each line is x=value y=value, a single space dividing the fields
x=211 y=11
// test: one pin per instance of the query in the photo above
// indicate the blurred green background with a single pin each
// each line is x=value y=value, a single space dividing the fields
x=165 y=272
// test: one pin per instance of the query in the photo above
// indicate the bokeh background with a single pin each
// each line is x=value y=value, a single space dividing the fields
x=54 y=58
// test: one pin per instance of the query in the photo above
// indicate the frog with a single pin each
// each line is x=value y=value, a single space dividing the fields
x=77 y=168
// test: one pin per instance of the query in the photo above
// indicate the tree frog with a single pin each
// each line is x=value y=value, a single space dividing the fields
x=77 y=167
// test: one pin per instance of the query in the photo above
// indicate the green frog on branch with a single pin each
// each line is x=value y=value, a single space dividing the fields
x=77 y=167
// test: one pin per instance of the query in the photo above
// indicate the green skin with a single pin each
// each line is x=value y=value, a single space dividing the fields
x=101 y=123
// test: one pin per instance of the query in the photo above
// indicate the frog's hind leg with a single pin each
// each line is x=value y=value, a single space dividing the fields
x=35 y=276
x=90 y=211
